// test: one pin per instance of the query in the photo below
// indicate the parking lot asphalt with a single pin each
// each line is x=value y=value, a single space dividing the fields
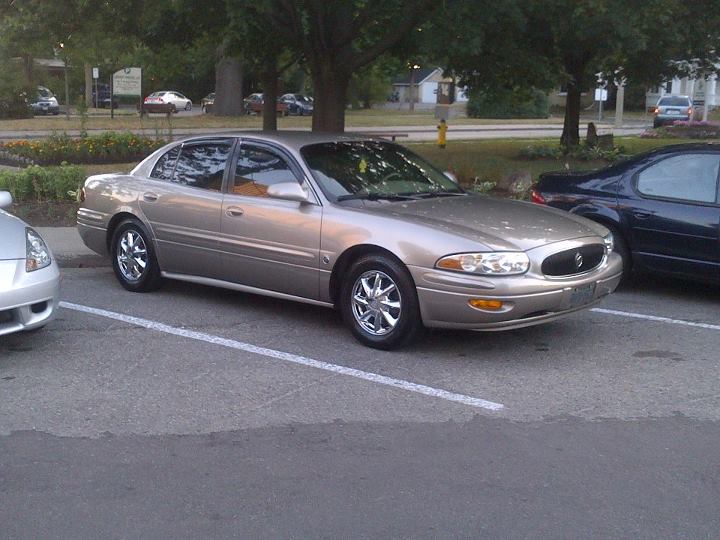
x=198 y=412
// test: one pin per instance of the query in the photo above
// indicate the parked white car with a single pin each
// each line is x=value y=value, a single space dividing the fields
x=29 y=275
x=167 y=101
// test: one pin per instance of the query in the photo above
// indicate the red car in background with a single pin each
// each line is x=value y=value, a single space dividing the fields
x=254 y=105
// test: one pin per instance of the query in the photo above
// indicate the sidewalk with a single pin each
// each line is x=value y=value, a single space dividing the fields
x=69 y=249
x=415 y=133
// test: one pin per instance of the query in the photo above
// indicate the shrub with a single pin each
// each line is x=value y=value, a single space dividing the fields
x=13 y=93
x=520 y=104
x=109 y=147
x=43 y=184
x=582 y=152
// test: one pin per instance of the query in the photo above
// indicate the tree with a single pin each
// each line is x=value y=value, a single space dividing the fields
x=338 y=37
x=515 y=44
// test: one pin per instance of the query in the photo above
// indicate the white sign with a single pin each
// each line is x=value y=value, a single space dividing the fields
x=127 y=82
x=600 y=94
x=96 y=73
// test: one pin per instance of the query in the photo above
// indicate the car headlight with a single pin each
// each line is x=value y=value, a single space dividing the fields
x=609 y=242
x=37 y=253
x=489 y=264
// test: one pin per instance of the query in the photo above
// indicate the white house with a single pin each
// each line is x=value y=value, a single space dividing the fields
x=422 y=84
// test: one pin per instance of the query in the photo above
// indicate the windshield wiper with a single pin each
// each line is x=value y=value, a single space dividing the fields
x=431 y=194
x=374 y=197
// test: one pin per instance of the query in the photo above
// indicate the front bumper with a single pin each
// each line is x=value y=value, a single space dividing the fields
x=527 y=299
x=28 y=300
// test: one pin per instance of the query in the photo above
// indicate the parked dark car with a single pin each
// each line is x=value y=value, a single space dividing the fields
x=297 y=104
x=662 y=206
x=102 y=98
x=254 y=105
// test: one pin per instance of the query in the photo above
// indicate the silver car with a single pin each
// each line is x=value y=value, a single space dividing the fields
x=29 y=276
x=361 y=225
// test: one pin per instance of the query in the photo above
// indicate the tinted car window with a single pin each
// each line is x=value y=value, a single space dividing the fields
x=257 y=169
x=674 y=101
x=202 y=165
x=691 y=177
x=164 y=166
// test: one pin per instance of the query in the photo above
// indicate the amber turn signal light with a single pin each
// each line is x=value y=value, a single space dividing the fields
x=481 y=303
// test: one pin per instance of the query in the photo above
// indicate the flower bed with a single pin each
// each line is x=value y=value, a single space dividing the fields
x=684 y=130
x=109 y=147
x=43 y=184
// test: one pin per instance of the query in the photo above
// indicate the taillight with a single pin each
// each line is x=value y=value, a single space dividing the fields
x=656 y=110
x=689 y=111
x=536 y=197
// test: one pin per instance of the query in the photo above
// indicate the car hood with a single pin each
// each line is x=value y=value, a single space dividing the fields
x=12 y=237
x=499 y=224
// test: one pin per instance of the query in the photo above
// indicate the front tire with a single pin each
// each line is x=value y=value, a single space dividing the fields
x=622 y=249
x=379 y=303
x=188 y=106
x=133 y=258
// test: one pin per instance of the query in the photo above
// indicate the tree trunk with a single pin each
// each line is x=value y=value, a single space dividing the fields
x=28 y=70
x=571 y=127
x=228 y=87
x=330 y=84
x=269 y=80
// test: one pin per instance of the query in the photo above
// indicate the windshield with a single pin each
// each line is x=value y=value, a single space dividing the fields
x=674 y=101
x=43 y=92
x=373 y=169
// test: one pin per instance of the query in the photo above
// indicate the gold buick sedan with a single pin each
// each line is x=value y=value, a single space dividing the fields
x=361 y=225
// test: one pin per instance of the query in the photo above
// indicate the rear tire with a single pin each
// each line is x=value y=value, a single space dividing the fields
x=133 y=257
x=378 y=302
x=188 y=106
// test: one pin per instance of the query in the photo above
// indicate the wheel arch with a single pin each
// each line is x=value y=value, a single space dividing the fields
x=348 y=257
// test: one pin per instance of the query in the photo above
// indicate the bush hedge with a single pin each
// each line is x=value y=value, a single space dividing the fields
x=109 y=147
x=43 y=184
x=532 y=104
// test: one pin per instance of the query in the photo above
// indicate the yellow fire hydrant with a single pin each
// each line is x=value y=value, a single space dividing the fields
x=442 y=133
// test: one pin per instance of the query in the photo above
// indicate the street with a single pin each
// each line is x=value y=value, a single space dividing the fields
x=197 y=412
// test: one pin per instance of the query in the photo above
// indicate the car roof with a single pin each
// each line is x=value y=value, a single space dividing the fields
x=683 y=147
x=291 y=139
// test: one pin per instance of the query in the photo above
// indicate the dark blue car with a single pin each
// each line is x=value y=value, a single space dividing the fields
x=662 y=206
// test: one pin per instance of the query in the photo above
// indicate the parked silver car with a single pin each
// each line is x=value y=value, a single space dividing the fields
x=672 y=108
x=29 y=276
x=362 y=225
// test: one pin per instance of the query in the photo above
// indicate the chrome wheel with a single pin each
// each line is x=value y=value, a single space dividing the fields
x=132 y=255
x=376 y=303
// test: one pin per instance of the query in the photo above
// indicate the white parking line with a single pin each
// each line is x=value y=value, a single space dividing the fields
x=655 y=318
x=288 y=357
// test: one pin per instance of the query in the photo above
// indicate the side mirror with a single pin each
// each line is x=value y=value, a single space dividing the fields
x=5 y=199
x=451 y=176
x=289 y=191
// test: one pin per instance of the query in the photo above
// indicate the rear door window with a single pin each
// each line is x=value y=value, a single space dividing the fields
x=687 y=177
x=202 y=165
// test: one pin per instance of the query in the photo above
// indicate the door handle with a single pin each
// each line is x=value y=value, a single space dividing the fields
x=643 y=215
x=234 y=211
x=150 y=197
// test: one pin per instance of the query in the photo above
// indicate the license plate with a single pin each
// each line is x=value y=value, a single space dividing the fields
x=673 y=112
x=582 y=295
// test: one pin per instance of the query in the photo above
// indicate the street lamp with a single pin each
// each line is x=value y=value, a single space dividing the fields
x=414 y=68
x=65 y=72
